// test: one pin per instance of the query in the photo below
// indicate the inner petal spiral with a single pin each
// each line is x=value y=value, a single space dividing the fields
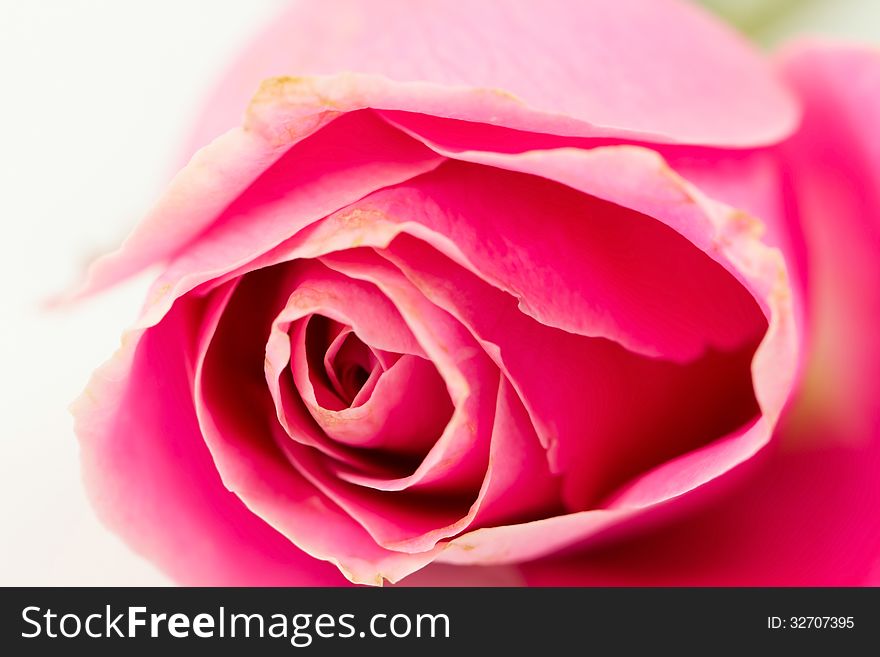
x=352 y=368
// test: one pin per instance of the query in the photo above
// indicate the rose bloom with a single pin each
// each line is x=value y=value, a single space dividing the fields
x=504 y=293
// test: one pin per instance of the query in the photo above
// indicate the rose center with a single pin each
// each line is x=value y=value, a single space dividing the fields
x=347 y=368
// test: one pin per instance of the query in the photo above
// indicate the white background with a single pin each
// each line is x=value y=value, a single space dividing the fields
x=95 y=99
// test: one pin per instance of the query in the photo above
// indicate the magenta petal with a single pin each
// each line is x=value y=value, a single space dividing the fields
x=579 y=391
x=248 y=447
x=395 y=418
x=414 y=512
x=299 y=423
x=575 y=262
x=154 y=482
x=366 y=391
x=518 y=484
x=347 y=361
x=329 y=357
x=313 y=288
x=406 y=416
x=406 y=413
x=458 y=459
x=649 y=187
x=643 y=182
x=752 y=180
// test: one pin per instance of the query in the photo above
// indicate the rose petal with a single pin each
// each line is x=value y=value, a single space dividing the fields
x=712 y=226
x=643 y=182
x=518 y=481
x=517 y=485
x=242 y=194
x=153 y=481
x=595 y=269
x=406 y=416
x=458 y=459
x=310 y=287
x=586 y=67
x=521 y=487
x=239 y=428
x=605 y=414
x=751 y=180
x=810 y=517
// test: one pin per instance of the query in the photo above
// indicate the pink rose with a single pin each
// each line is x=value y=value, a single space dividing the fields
x=587 y=288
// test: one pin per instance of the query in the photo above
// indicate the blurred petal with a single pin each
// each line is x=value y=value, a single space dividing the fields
x=586 y=67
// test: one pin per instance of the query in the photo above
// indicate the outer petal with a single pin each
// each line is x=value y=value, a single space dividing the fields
x=755 y=182
x=153 y=481
x=811 y=516
x=750 y=105
x=597 y=67
x=291 y=180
